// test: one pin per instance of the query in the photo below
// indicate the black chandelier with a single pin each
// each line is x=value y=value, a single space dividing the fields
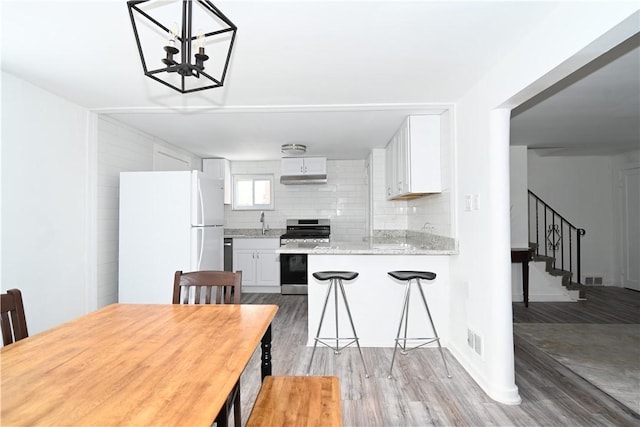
x=191 y=50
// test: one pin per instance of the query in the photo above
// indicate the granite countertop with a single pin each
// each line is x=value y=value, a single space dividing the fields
x=383 y=243
x=374 y=247
x=253 y=233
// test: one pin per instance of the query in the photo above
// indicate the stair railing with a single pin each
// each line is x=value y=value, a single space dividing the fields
x=561 y=238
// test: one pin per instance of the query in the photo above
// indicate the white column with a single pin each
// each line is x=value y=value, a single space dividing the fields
x=501 y=365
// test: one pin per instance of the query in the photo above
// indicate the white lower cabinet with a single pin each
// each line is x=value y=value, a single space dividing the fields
x=259 y=263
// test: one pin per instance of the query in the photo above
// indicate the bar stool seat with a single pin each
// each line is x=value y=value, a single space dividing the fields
x=411 y=277
x=328 y=275
x=335 y=279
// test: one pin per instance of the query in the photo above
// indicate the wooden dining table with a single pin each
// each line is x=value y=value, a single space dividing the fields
x=131 y=364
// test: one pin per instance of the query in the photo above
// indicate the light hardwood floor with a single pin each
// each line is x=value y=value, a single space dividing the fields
x=420 y=394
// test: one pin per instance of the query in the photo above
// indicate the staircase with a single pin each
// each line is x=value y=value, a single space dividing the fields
x=556 y=242
x=566 y=276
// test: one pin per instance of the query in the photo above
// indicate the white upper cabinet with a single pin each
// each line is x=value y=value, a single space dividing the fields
x=413 y=159
x=304 y=166
x=221 y=169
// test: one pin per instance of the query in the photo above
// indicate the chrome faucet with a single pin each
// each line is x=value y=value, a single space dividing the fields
x=262 y=221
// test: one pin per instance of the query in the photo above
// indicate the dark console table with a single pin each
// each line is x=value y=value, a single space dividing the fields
x=523 y=256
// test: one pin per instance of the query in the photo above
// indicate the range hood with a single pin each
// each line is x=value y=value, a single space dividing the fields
x=303 y=179
x=304 y=170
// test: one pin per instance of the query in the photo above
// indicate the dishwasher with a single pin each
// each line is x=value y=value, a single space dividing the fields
x=228 y=254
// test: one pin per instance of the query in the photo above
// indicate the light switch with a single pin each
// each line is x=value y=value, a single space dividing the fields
x=467 y=203
x=476 y=202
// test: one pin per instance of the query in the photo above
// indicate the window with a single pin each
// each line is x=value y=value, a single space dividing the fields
x=253 y=192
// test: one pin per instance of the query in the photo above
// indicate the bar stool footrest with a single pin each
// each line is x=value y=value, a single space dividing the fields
x=333 y=347
x=406 y=349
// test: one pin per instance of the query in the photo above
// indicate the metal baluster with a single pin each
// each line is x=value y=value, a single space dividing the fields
x=561 y=243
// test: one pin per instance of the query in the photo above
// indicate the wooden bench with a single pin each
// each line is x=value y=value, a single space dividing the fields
x=297 y=401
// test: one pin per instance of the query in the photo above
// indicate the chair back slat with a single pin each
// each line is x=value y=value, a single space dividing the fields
x=207 y=287
x=12 y=317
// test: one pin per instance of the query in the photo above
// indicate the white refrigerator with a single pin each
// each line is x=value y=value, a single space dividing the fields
x=168 y=221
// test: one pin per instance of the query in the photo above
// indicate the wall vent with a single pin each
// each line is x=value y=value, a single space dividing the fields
x=593 y=280
x=474 y=340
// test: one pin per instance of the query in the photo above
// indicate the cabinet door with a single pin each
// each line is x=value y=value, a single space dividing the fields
x=315 y=166
x=389 y=170
x=423 y=156
x=244 y=260
x=214 y=167
x=391 y=166
x=403 y=166
x=292 y=166
x=267 y=268
x=220 y=169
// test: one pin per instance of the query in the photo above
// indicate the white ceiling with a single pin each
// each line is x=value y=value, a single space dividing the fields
x=594 y=111
x=338 y=76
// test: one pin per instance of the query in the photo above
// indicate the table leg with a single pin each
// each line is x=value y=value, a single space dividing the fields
x=266 y=353
x=523 y=256
x=222 y=420
x=525 y=282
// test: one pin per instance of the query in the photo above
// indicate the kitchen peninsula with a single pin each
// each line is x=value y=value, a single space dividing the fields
x=375 y=299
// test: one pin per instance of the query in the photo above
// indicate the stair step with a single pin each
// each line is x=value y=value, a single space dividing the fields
x=543 y=258
x=573 y=286
x=557 y=272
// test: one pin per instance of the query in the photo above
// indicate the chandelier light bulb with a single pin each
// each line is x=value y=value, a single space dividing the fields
x=200 y=40
x=173 y=34
x=171 y=48
x=201 y=57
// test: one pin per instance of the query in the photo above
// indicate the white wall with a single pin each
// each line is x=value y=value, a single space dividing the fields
x=481 y=274
x=621 y=162
x=343 y=199
x=580 y=189
x=44 y=202
x=385 y=214
x=518 y=195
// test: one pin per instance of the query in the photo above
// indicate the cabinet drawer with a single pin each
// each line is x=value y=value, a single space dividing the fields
x=253 y=243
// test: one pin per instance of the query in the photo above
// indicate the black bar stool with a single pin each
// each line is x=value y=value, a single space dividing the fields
x=335 y=279
x=409 y=276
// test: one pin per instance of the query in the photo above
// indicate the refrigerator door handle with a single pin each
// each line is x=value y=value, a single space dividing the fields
x=200 y=205
x=201 y=230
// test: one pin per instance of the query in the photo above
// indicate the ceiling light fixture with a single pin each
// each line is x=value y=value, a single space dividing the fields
x=174 y=51
x=293 y=149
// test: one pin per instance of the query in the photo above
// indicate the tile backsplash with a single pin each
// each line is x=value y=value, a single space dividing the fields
x=344 y=199
x=430 y=214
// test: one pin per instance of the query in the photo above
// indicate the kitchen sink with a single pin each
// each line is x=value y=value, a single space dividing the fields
x=391 y=246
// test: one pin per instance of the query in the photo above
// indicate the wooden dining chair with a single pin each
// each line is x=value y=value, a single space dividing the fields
x=207 y=287
x=12 y=318
x=212 y=287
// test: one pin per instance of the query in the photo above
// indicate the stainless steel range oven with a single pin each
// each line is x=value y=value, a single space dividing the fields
x=293 y=267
